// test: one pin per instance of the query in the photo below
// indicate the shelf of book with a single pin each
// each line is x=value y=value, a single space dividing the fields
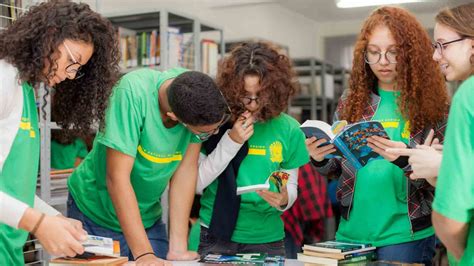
x=162 y=39
x=316 y=78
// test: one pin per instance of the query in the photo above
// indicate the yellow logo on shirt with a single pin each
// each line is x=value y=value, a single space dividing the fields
x=159 y=159
x=25 y=124
x=406 y=131
x=276 y=152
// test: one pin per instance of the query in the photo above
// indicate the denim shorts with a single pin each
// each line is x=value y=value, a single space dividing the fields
x=419 y=251
x=156 y=233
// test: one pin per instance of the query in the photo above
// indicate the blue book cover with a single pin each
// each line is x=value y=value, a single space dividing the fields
x=350 y=140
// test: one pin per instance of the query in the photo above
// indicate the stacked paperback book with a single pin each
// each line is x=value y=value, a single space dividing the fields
x=337 y=253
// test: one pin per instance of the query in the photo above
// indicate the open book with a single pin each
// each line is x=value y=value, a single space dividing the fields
x=350 y=140
x=279 y=178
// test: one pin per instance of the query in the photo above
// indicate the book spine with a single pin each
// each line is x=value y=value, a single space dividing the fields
x=358 y=254
x=366 y=257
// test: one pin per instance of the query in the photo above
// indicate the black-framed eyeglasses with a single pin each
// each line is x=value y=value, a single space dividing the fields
x=248 y=100
x=74 y=68
x=440 y=46
x=203 y=136
x=373 y=57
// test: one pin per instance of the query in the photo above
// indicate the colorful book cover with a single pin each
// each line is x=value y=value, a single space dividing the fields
x=244 y=258
x=350 y=141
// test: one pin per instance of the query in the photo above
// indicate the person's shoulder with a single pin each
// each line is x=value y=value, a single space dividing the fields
x=138 y=82
x=467 y=87
x=139 y=75
x=286 y=120
x=465 y=93
x=8 y=75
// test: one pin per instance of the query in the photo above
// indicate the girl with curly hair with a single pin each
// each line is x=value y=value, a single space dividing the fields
x=257 y=82
x=395 y=81
x=73 y=50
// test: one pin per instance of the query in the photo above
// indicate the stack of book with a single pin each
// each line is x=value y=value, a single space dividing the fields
x=337 y=253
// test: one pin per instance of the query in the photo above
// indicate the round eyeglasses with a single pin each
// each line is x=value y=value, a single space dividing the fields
x=440 y=46
x=246 y=100
x=75 y=68
x=373 y=57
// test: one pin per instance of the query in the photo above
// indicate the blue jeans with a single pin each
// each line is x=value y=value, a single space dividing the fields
x=419 y=251
x=291 y=248
x=156 y=233
x=210 y=244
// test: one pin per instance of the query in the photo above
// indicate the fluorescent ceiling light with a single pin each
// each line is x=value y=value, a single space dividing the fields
x=360 y=3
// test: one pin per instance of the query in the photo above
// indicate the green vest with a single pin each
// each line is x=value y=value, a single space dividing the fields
x=18 y=177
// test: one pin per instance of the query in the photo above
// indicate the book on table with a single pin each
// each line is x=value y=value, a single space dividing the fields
x=337 y=247
x=243 y=258
x=97 y=250
x=350 y=141
x=330 y=261
x=337 y=253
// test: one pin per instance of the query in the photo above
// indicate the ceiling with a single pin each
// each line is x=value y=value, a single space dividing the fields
x=326 y=10
x=317 y=10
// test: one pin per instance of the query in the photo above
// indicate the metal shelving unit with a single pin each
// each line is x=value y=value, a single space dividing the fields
x=341 y=81
x=312 y=68
x=162 y=19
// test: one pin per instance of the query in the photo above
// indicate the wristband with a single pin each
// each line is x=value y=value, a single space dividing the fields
x=37 y=225
x=144 y=254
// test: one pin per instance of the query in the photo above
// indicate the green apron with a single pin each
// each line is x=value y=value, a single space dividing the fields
x=19 y=175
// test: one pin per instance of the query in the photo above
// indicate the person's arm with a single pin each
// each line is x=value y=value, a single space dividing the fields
x=452 y=233
x=58 y=236
x=119 y=167
x=182 y=190
x=212 y=165
x=44 y=207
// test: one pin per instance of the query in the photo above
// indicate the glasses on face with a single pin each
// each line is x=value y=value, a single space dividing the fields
x=246 y=100
x=202 y=136
x=440 y=46
x=373 y=57
x=74 y=68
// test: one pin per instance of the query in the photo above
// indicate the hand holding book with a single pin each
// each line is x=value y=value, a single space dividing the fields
x=380 y=145
x=343 y=140
x=317 y=150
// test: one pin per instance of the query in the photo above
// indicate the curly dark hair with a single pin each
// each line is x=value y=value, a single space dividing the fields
x=195 y=99
x=31 y=43
x=423 y=99
x=277 y=78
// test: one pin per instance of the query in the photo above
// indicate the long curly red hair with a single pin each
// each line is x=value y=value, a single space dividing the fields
x=423 y=95
x=277 y=78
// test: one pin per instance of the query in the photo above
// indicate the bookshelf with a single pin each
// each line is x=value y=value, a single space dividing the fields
x=173 y=38
x=317 y=87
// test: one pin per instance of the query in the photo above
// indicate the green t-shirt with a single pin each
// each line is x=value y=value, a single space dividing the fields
x=133 y=127
x=18 y=176
x=454 y=197
x=379 y=214
x=275 y=144
x=64 y=156
x=194 y=236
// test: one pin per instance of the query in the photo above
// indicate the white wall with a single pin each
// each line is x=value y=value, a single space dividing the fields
x=268 y=21
x=351 y=27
